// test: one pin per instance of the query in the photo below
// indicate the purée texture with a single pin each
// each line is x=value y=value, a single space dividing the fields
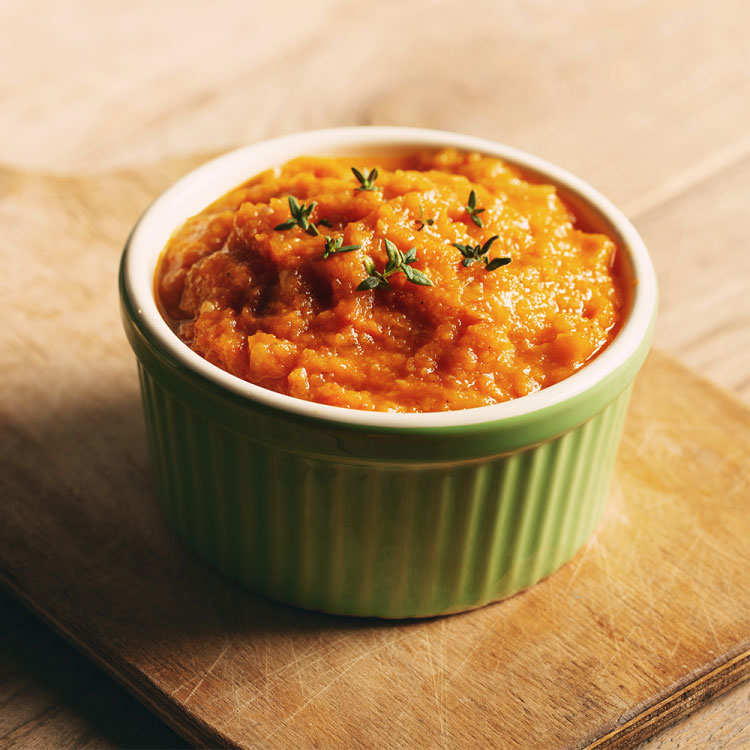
x=442 y=280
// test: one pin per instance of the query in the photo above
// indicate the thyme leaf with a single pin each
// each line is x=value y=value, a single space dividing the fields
x=479 y=254
x=300 y=217
x=366 y=178
x=473 y=211
x=422 y=221
x=497 y=263
x=335 y=245
x=397 y=262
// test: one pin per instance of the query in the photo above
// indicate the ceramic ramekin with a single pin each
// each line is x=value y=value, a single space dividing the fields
x=363 y=513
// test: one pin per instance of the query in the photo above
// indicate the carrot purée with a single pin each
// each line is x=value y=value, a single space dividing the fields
x=265 y=305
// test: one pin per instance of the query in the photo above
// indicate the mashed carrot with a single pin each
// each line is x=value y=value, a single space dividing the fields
x=264 y=303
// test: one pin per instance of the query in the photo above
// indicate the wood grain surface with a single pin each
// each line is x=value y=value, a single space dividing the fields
x=648 y=100
x=649 y=621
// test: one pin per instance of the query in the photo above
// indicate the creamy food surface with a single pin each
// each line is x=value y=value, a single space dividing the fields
x=385 y=290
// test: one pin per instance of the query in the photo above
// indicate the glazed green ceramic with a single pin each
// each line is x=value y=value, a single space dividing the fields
x=367 y=514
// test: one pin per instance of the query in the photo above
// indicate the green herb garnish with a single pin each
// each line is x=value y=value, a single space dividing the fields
x=397 y=262
x=334 y=246
x=300 y=217
x=496 y=263
x=475 y=253
x=472 y=210
x=325 y=223
x=421 y=220
x=366 y=178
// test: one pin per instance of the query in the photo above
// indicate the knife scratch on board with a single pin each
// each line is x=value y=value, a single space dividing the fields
x=207 y=673
x=371 y=651
x=297 y=668
x=435 y=671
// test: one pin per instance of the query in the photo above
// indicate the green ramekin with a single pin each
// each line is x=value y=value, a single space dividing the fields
x=375 y=514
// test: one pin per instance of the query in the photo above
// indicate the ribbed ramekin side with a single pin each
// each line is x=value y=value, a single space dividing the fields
x=377 y=538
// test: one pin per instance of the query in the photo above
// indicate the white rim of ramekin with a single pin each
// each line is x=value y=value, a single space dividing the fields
x=199 y=188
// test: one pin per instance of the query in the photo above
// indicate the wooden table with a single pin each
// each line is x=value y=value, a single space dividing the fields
x=648 y=101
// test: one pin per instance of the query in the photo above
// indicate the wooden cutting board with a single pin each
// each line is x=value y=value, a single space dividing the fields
x=649 y=621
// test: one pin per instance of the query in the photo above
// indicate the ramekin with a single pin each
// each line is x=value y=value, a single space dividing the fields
x=365 y=513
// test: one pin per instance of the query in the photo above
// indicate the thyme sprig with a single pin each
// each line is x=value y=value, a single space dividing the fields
x=335 y=246
x=473 y=211
x=300 y=217
x=397 y=262
x=366 y=178
x=480 y=253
